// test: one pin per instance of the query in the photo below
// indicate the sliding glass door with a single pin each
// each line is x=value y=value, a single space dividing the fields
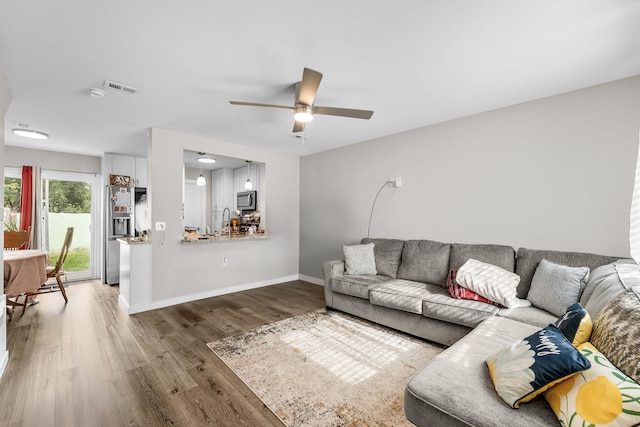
x=70 y=200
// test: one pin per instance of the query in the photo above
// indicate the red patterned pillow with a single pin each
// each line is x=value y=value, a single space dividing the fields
x=458 y=292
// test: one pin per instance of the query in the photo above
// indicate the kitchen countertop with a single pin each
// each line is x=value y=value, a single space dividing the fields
x=133 y=241
x=224 y=238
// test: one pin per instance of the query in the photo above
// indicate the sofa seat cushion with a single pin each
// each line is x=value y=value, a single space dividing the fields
x=455 y=387
x=440 y=305
x=404 y=295
x=356 y=285
x=529 y=315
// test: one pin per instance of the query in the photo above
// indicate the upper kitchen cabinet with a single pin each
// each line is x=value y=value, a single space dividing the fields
x=141 y=172
x=247 y=176
x=133 y=167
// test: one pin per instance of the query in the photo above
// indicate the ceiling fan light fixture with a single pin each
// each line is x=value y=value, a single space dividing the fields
x=28 y=133
x=303 y=114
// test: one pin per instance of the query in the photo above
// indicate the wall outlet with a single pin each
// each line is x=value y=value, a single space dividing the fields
x=225 y=261
x=161 y=226
x=398 y=181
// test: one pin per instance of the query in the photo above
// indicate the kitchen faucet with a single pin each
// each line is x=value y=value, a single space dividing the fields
x=227 y=210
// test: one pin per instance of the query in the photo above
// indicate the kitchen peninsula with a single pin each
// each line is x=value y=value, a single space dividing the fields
x=135 y=286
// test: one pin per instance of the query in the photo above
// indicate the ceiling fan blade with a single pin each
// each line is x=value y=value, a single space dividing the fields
x=344 y=112
x=257 y=104
x=308 y=87
x=298 y=126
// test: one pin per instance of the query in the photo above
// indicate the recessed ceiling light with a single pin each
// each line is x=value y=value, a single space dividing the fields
x=33 y=134
x=96 y=92
x=205 y=159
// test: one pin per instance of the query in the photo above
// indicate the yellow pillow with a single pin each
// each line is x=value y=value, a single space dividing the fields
x=601 y=395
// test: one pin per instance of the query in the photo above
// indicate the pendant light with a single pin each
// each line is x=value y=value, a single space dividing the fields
x=201 y=181
x=248 y=185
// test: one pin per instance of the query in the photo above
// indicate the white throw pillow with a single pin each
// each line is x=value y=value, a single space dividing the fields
x=492 y=282
x=359 y=259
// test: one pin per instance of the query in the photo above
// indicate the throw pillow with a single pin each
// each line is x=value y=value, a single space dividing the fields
x=600 y=395
x=555 y=287
x=458 y=292
x=492 y=282
x=359 y=259
x=575 y=324
x=616 y=332
x=528 y=367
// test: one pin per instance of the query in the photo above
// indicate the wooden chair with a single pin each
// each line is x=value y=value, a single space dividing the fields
x=15 y=240
x=57 y=271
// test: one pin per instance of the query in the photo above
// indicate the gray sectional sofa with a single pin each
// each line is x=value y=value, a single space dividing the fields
x=409 y=293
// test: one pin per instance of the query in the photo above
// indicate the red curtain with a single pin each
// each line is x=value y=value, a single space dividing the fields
x=26 y=198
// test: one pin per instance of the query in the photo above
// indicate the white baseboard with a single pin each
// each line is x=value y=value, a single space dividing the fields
x=4 y=362
x=311 y=279
x=123 y=303
x=208 y=294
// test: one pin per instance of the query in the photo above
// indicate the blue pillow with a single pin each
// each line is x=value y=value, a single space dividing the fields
x=575 y=324
x=528 y=367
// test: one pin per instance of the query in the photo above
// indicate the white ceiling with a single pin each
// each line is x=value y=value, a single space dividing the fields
x=414 y=62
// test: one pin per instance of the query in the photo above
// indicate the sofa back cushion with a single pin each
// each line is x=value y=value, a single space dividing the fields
x=387 y=253
x=425 y=261
x=528 y=260
x=607 y=282
x=498 y=255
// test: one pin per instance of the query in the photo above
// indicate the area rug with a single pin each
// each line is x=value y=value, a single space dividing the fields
x=327 y=368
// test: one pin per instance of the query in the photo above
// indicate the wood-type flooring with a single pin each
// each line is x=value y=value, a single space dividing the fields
x=88 y=363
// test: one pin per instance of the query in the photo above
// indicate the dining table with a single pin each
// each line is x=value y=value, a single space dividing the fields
x=24 y=271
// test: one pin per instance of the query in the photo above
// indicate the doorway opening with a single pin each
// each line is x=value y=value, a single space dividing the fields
x=69 y=200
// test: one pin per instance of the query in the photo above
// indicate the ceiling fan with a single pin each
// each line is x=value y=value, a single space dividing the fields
x=305 y=94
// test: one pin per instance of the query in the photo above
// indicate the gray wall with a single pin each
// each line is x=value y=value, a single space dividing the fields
x=51 y=160
x=556 y=173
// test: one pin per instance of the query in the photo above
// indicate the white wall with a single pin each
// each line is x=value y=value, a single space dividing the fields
x=5 y=101
x=189 y=271
x=556 y=173
x=51 y=160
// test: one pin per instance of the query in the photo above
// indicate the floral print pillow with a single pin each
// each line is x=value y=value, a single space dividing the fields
x=528 y=367
x=602 y=395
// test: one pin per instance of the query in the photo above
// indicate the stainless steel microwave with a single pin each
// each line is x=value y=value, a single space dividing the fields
x=247 y=201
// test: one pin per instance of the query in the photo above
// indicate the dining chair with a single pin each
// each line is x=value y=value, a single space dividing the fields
x=15 y=240
x=56 y=271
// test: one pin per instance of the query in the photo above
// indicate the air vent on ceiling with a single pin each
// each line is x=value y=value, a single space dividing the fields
x=121 y=87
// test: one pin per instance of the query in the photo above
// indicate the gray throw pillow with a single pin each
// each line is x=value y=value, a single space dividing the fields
x=556 y=287
x=359 y=259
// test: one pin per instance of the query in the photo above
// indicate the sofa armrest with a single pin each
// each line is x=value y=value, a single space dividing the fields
x=331 y=269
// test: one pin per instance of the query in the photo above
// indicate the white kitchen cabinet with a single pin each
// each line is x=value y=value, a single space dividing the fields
x=141 y=172
x=118 y=164
x=222 y=195
x=135 y=286
x=240 y=176
x=133 y=167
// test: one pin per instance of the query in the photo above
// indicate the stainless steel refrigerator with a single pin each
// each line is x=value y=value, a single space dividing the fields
x=119 y=223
